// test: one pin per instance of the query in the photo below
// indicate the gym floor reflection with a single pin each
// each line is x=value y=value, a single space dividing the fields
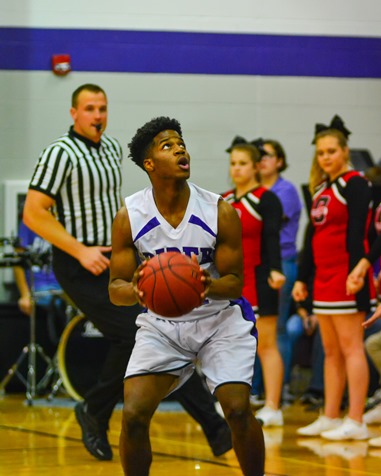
x=44 y=439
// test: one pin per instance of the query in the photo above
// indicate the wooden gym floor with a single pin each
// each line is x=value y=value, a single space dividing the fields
x=44 y=439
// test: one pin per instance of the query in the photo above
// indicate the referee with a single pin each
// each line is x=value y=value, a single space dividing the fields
x=73 y=196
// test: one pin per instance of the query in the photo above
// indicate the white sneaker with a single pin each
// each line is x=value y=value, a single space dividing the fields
x=373 y=415
x=269 y=417
x=348 y=430
x=323 y=423
x=375 y=442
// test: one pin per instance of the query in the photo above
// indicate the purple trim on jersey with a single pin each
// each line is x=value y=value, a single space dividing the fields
x=247 y=313
x=197 y=221
x=153 y=223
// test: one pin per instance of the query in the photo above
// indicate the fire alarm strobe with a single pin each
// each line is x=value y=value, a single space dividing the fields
x=61 y=64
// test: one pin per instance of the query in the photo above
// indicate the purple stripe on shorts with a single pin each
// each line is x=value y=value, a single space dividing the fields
x=247 y=313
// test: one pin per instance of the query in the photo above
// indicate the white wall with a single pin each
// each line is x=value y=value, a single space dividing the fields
x=211 y=108
x=331 y=17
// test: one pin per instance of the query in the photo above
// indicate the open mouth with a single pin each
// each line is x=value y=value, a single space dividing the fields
x=183 y=163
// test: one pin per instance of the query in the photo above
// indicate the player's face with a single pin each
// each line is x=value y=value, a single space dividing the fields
x=270 y=163
x=169 y=156
x=331 y=157
x=242 y=169
x=90 y=112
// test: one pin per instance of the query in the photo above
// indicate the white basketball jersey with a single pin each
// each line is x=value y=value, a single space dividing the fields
x=196 y=234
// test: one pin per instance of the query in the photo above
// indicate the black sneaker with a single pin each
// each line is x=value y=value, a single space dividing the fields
x=374 y=400
x=311 y=397
x=313 y=400
x=287 y=396
x=222 y=441
x=95 y=441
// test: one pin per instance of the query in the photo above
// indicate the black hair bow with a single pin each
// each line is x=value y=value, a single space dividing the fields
x=237 y=140
x=337 y=123
x=258 y=143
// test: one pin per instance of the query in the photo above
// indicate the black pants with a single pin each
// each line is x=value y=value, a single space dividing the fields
x=117 y=323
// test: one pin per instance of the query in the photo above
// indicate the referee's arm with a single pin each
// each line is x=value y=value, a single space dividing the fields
x=38 y=217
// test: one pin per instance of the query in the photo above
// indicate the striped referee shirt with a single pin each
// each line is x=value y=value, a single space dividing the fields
x=84 y=179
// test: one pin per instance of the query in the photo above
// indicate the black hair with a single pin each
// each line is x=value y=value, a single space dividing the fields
x=142 y=140
x=280 y=153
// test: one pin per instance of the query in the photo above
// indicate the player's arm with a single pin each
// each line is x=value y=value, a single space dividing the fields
x=228 y=255
x=123 y=266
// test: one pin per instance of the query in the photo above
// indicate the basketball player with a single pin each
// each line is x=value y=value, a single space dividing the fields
x=221 y=334
x=335 y=242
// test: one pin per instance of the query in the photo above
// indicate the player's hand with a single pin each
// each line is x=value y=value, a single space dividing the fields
x=373 y=318
x=276 y=279
x=93 y=259
x=139 y=272
x=207 y=281
x=205 y=277
x=299 y=291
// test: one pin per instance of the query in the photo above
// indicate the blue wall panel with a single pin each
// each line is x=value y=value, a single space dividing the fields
x=31 y=49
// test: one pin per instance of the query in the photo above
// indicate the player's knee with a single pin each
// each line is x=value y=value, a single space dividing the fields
x=236 y=413
x=135 y=423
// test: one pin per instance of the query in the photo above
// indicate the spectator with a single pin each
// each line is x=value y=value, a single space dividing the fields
x=336 y=240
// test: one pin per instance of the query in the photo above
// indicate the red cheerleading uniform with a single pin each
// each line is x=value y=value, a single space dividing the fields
x=261 y=213
x=337 y=239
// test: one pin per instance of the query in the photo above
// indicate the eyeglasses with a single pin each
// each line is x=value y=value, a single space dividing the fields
x=268 y=156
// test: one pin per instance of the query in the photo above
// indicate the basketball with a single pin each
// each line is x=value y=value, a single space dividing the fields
x=172 y=284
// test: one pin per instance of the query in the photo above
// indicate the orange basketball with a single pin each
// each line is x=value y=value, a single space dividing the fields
x=171 y=284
